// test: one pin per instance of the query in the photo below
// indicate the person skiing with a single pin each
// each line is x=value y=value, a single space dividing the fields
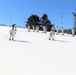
x=37 y=28
x=33 y=28
x=52 y=33
x=28 y=28
x=57 y=30
x=73 y=32
x=44 y=29
x=62 y=31
x=12 y=32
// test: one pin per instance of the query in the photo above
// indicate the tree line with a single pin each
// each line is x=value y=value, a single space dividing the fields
x=35 y=20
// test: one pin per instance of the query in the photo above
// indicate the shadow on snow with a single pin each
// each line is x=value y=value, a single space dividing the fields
x=61 y=41
x=22 y=41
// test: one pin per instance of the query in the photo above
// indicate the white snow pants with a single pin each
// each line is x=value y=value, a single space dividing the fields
x=11 y=36
x=51 y=36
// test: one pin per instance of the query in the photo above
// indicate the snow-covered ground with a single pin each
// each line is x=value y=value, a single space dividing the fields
x=33 y=54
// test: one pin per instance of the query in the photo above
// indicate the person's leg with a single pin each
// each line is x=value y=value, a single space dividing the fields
x=52 y=37
x=10 y=37
x=73 y=34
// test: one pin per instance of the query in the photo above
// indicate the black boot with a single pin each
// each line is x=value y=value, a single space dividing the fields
x=49 y=39
x=73 y=35
x=12 y=39
x=9 y=39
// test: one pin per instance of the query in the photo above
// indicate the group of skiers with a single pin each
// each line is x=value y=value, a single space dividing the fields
x=37 y=28
x=51 y=34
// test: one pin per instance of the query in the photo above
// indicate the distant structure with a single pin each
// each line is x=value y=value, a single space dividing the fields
x=74 y=14
x=10 y=20
x=61 y=18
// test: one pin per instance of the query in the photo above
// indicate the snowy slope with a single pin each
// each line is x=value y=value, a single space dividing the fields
x=33 y=54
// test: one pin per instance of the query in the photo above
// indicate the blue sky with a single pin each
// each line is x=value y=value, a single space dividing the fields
x=20 y=10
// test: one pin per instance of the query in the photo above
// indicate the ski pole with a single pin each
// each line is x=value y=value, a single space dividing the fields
x=46 y=37
x=5 y=37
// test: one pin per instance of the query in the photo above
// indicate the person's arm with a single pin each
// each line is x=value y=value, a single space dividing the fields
x=14 y=32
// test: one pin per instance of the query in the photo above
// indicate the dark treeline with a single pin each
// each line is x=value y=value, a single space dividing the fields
x=35 y=20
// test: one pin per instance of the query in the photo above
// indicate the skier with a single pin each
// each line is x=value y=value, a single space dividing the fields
x=72 y=32
x=12 y=32
x=52 y=34
x=33 y=28
x=62 y=31
x=28 y=28
x=37 y=29
x=44 y=29
x=57 y=30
